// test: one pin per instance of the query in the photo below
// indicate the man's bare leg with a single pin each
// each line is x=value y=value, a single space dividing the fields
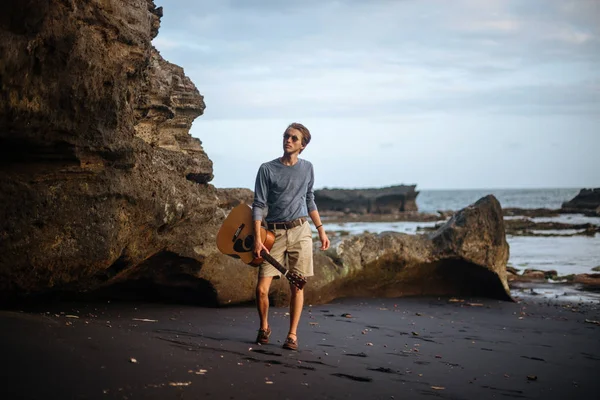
x=296 y=303
x=262 y=300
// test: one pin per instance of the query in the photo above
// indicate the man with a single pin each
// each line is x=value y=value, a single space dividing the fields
x=284 y=189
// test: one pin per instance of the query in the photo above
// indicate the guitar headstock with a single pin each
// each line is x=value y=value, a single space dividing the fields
x=296 y=279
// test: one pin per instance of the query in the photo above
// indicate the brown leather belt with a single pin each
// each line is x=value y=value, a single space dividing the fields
x=287 y=224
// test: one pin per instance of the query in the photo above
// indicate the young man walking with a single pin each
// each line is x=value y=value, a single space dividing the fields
x=284 y=190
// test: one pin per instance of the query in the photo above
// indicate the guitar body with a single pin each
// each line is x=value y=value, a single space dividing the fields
x=239 y=225
x=236 y=239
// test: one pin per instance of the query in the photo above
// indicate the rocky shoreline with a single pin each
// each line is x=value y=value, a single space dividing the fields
x=523 y=226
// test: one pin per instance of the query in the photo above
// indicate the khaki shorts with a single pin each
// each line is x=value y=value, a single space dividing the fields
x=293 y=248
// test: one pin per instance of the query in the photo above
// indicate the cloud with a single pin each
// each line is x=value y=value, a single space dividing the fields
x=573 y=36
x=346 y=57
x=491 y=26
x=413 y=74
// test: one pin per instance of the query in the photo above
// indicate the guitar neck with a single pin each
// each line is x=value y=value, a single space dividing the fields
x=274 y=262
x=295 y=279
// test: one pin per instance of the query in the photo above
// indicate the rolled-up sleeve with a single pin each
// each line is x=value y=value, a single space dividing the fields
x=310 y=194
x=261 y=189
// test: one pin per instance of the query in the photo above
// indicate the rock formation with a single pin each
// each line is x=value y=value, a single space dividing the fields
x=229 y=198
x=528 y=227
x=587 y=201
x=387 y=200
x=100 y=180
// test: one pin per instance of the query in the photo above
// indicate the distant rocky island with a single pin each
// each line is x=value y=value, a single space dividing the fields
x=587 y=202
x=386 y=200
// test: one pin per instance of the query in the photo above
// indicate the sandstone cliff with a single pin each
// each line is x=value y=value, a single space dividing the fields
x=100 y=179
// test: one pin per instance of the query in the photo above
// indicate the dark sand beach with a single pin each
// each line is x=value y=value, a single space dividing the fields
x=467 y=348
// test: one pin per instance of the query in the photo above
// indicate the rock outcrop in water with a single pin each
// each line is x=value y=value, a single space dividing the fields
x=387 y=200
x=587 y=201
x=103 y=190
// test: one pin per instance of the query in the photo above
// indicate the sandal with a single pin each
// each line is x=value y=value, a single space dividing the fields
x=290 y=343
x=263 y=336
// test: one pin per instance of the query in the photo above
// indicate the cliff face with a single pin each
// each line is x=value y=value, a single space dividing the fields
x=100 y=180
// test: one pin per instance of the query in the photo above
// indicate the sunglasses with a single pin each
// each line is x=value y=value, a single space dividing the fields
x=287 y=136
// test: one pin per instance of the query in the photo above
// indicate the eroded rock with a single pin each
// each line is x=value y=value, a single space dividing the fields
x=531 y=212
x=229 y=198
x=587 y=201
x=528 y=227
x=588 y=279
x=100 y=181
x=387 y=200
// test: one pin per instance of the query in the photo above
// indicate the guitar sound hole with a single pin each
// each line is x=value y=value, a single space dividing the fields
x=244 y=246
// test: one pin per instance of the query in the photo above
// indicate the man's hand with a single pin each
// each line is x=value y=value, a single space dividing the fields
x=258 y=248
x=324 y=239
x=258 y=243
x=316 y=219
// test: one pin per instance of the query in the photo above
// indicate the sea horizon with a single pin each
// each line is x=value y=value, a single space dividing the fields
x=419 y=189
x=432 y=201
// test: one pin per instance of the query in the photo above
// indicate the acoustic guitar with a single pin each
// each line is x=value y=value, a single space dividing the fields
x=236 y=239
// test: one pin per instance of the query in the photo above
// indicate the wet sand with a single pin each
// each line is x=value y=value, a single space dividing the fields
x=353 y=348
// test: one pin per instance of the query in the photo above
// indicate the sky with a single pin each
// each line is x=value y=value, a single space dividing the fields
x=461 y=94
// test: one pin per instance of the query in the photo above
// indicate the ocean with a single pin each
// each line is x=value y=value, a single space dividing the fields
x=441 y=200
x=566 y=255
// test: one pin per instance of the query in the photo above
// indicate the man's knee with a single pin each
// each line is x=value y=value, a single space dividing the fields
x=262 y=288
x=262 y=291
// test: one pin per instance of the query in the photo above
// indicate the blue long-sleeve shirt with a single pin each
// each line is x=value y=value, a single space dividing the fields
x=283 y=192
